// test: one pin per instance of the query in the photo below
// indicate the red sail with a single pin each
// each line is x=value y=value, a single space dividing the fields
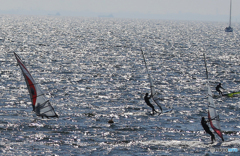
x=41 y=105
x=218 y=131
x=29 y=80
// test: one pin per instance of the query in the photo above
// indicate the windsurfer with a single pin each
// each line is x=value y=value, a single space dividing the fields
x=206 y=128
x=218 y=89
x=111 y=120
x=146 y=98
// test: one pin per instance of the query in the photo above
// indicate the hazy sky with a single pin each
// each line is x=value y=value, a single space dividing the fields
x=203 y=7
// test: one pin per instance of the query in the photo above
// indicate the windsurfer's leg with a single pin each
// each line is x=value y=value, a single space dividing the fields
x=33 y=107
x=212 y=136
x=212 y=139
x=152 y=110
x=220 y=92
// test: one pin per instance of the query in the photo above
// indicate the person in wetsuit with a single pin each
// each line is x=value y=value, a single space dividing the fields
x=206 y=128
x=218 y=88
x=146 y=98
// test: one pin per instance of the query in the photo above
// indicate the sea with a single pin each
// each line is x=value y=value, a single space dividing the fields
x=92 y=70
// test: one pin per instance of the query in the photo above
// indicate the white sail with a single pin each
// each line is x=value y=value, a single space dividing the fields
x=229 y=28
x=41 y=106
x=213 y=116
x=230 y=18
x=153 y=92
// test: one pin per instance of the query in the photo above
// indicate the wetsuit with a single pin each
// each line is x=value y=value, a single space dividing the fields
x=206 y=128
x=218 y=88
x=146 y=98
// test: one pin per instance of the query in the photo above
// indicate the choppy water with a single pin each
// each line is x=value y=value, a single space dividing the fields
x=92 y=69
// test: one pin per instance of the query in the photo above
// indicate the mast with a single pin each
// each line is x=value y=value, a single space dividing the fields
x=205 y=65
x=230 y=13
x=145 y=62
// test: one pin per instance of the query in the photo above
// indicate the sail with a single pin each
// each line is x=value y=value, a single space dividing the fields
x=231 y=94
x=213 y=116
x=230 y=13
x=41 y=106
x=153 y=92
x=229 y=28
